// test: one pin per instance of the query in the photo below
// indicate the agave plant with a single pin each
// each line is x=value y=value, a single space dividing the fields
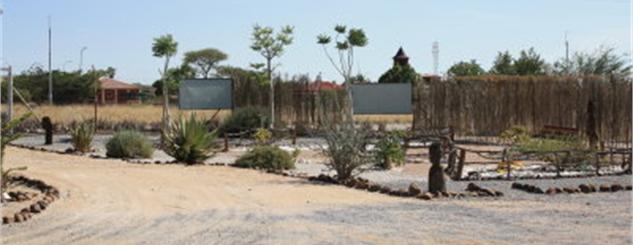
x=189 y=141
x=7 y=137
x=81 y=136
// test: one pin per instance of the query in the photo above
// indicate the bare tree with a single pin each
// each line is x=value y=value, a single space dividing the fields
x=344 y=42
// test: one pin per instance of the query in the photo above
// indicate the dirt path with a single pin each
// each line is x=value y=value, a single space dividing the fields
x=113 y=202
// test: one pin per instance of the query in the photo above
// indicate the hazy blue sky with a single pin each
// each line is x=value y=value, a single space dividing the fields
x=119 y=33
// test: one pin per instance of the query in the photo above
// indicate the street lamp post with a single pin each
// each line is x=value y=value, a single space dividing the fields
x=81 y=57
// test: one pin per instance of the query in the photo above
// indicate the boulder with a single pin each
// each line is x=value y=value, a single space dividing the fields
x=414 y=189
x=629 y=187
x=605 y=188
x=517 y=186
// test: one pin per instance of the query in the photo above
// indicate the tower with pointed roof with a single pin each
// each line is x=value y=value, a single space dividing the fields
x=401 y=58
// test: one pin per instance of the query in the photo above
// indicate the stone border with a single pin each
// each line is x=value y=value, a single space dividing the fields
x=50 y=195
x=582 y=188
x=538 y=177
x=94 y=156
x=414 y=191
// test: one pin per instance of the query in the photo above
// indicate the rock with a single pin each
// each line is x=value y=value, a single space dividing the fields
x=425 y=196
x=486 y=192
x=584 y=188
x=592 y=188
x=373 y=188
x=551 y=191
x=8 y=220
x=452 y=194
x=629 y=187
x=35 y=208
x=361 y=185
x=538 y=190
x=558 y=190
x=43 y=205
x=404 y=193
x=350 y=183
x=472 y=187
x=517 y=186
x=445 y=194
x=414 y=189
x=498 y=193
x=385 y=190
x=616 y=187
x=605 y=188
x=18 y=218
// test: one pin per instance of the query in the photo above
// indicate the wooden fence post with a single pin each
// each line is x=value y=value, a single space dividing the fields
x=460 y=165
x=506 y=160
x=597 y=164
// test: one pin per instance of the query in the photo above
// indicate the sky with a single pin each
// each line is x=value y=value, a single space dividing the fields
x=119 y=33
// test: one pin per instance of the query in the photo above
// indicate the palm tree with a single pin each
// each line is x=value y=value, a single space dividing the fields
x=165 y=46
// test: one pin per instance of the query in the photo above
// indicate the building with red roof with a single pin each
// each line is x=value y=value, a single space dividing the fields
x=113 y=91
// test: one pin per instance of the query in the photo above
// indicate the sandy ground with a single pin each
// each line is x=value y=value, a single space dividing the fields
x=113 y=202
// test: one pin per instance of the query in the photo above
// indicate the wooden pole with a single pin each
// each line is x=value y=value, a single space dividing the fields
x=226 y=142
x=460 y=165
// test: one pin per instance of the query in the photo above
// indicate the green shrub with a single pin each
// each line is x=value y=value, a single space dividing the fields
x=389 y=152
x=266 y=157
x=81 y=136
x=189 y=141
x=262 y=136
x=129 y=144
x=247 y=118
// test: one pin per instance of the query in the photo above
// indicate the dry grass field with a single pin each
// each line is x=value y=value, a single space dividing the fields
x=65 y=114
x=115 y=113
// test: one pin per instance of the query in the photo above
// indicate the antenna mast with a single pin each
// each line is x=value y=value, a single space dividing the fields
x=436 y=56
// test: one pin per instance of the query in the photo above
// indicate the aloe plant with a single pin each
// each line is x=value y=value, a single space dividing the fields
x=189 y=141
x=81 y=136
